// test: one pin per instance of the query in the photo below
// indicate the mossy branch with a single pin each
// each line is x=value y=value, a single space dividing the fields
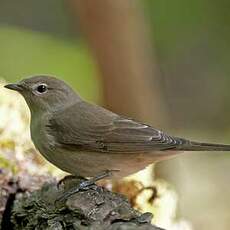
x=94 y=208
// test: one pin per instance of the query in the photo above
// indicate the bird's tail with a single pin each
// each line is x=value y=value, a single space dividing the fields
x=199 y=146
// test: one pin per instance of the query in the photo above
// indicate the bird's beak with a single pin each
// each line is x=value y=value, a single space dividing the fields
x=16 y=87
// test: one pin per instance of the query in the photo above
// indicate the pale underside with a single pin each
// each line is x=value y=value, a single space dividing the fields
x=90 y=164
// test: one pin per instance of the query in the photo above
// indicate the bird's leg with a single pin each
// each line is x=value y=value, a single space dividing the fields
x=85 y=184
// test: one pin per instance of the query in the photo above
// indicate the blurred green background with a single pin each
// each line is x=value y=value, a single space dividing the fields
x=25 y=52
x=190 y=48
x=190 y=39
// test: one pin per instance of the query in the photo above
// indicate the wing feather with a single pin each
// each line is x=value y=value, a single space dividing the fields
x=90 y=127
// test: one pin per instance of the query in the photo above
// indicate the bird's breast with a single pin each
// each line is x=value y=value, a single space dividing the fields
x=42 y=140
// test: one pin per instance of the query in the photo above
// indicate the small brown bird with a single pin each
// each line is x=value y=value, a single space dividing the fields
x=87 y=140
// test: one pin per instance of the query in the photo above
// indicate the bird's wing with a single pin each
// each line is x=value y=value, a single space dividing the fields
x=90 y=127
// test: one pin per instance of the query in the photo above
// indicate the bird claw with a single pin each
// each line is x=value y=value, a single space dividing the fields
x=66 y=179
x=83 y=185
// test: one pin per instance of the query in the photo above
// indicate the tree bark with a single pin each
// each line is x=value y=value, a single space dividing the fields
x=93 y=208
x=118 y=37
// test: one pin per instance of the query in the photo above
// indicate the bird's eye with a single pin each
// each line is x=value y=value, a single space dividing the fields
x=41 y=88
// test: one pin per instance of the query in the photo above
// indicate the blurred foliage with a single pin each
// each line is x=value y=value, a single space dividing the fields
x=176 y=24
x=25 y=53
x=191 y=43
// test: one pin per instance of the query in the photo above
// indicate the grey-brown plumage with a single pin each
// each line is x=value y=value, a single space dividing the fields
x=85 y=139
x=94 y=128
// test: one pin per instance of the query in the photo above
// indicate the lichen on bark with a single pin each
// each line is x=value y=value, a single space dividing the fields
x=94 y=208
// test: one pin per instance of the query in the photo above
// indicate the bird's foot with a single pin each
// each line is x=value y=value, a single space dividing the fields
x=83 y=185
x=67 y=179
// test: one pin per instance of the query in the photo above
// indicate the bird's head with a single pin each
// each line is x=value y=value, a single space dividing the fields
x=45 y=93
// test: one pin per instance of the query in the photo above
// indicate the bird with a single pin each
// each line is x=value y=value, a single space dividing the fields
x=89 y=141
